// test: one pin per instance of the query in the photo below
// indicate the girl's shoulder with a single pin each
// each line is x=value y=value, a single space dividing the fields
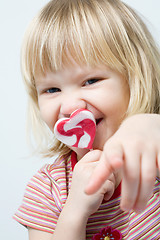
x=45 y=195
x=54 y=169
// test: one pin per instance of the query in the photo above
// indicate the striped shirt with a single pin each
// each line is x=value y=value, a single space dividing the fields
x=46 y=194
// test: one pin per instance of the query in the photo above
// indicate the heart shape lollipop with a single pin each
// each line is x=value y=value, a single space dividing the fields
x=78 y=130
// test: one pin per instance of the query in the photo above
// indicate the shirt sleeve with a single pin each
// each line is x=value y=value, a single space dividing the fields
x=41 y=204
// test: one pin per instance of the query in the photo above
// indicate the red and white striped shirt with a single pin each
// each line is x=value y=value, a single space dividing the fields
x=46 y=194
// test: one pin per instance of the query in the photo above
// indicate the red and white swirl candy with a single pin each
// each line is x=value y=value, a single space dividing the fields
x=77 y=131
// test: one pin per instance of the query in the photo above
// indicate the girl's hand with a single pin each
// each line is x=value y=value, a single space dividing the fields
x=83 y=204
x=135 y=148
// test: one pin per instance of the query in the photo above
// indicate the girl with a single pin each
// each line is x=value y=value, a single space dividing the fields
x=97 y=55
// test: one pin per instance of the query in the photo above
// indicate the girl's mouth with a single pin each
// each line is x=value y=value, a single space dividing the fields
x=98 y=121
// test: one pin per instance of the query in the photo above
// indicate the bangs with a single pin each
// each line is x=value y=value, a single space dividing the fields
x=69 y=33
x=89 y=32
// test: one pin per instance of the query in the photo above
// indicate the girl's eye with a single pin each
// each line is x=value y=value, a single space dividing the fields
x=53 y=90
x=91 y=81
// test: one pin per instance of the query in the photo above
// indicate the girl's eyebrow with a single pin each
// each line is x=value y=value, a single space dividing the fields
x=44 y=79
x=85 y=73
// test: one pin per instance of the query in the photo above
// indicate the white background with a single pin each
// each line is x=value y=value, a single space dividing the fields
x=16 y=167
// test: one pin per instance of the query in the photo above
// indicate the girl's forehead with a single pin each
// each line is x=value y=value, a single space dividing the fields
x=75 y=62
x=76 y=69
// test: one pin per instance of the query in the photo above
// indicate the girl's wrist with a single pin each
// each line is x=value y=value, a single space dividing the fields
x=71 y=224
x=77 y=212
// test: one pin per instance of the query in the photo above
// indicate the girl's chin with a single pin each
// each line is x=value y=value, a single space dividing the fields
x=98 y=147
x=98 y=143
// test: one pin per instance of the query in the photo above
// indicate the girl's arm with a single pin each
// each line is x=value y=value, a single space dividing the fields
x=35 y=234
x=79 y=206
x=135 y=148
x=70 y=226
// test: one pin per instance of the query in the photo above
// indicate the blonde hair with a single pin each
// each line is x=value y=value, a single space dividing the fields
x=92 y=32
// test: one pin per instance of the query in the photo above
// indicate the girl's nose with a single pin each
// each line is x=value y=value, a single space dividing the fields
x=70 y=104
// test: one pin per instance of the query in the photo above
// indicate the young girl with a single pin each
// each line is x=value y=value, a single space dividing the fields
x=97 y=55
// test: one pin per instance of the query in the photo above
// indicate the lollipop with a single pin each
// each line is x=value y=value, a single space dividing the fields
x=78 y=130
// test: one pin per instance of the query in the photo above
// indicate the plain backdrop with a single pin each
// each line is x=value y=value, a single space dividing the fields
x=16 y=167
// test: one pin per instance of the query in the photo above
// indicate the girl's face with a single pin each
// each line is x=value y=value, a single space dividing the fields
x=102 y=91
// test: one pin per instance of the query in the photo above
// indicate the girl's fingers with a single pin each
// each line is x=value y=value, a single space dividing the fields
x=109 y=188
x=139 y=174
x=130 y=181
x=147 y=180
x=138 y=168
x=91 y=156
x=110 y=161
x=99 y=176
